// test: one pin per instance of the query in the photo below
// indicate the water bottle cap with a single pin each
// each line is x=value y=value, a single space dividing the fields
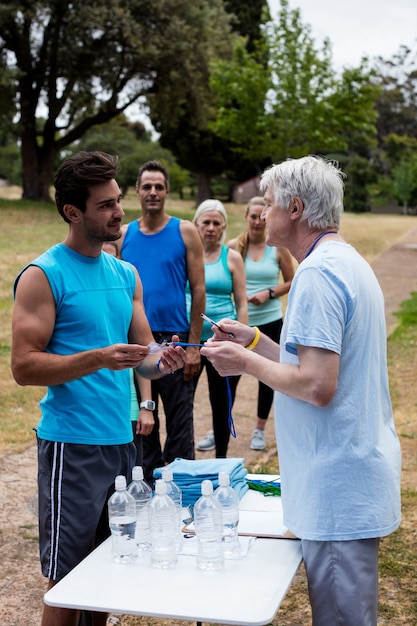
x=160 y=487
x=120 y=482
x=137 y=473
x=206 y=488
x=224 y=479
x=166 y=474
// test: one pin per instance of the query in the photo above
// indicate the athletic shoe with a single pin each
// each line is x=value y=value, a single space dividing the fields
x=258 y=440
x=207 y=443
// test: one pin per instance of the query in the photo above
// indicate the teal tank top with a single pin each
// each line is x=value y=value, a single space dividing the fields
x=94 y=305
x=219 y=290
x=262 y=275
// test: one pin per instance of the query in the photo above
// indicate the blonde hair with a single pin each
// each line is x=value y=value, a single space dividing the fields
x=242 y=240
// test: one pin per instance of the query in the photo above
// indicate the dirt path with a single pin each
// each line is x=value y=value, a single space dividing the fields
x=396 y=270
x=22 y=586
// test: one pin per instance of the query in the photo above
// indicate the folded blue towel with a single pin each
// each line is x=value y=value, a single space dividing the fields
x=189 y=475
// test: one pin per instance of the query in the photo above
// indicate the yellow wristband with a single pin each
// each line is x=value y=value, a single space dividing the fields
x=255 y=341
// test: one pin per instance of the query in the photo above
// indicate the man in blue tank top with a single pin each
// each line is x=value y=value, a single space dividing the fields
x=79 y=327
x=167 y=252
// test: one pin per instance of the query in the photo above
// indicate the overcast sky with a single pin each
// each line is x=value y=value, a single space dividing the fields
x=358 y=28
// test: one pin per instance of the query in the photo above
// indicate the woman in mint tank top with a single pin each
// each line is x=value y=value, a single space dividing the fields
x=225 y=297
x=263 y=266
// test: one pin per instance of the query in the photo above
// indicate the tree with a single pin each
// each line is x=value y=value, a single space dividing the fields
x=185 y=126
x=396 y=107
x=247 y=20
x=405 y=183
x=297 y=104
x=359 y=175
x=81 y=64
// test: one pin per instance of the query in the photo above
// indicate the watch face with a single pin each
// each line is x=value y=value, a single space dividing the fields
x=148 y=404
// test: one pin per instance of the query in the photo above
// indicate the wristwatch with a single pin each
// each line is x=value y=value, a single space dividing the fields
x=147 y=404
x=271 y=294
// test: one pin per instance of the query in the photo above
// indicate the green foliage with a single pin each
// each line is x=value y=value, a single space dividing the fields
x=396 y=107
x=405 y=182
x=248 y=18
x=10 y=165
x=297 y=104
x=359 y=175
x=186 y=125
x=407 y=319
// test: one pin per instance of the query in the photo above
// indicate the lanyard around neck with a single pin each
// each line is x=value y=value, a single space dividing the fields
x=313 y=245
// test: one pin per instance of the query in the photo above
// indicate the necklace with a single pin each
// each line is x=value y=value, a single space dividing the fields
x=313 y=245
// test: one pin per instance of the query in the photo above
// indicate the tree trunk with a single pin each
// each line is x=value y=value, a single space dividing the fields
x=37 y=170
x=204 y=187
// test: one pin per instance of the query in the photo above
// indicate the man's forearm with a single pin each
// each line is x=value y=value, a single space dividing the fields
x=45 y=370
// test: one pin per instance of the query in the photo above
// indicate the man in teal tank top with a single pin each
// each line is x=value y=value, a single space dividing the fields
x=79 y=327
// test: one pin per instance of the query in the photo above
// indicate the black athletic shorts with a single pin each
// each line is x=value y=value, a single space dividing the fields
x=75 y=482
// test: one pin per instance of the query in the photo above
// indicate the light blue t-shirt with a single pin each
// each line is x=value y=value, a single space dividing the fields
x=94 y=306
x=340 y=465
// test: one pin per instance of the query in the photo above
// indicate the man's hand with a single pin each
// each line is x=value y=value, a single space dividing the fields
x=172 y=358
x=225 y=356
x=123 y=355
x=233 y=331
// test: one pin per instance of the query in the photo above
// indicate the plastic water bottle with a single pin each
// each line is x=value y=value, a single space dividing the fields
x=229 y=500
x=163 y=525
x=122 y=521
x=174 y=492
x=209 y=528
x=142 y=493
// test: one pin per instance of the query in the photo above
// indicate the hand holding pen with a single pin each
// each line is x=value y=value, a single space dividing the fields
x=232 y=331
x=216 y=325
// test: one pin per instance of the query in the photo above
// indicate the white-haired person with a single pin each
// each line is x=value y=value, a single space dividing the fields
x=339 y=455
x=264 y=265
x=225 y=297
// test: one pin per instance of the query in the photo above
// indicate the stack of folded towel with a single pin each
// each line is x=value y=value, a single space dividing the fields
x=189 y=475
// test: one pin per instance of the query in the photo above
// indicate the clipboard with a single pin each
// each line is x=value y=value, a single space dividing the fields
x=259 y=516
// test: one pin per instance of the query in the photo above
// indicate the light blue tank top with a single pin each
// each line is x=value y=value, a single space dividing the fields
x=161 y=260
x=262 y=275
x=94 y=304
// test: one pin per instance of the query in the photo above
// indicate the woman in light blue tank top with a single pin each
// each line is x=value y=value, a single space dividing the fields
x=225 y=297
x=263 y=266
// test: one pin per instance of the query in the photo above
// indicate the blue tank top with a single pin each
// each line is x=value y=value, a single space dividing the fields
x=94 y=304
x=262 y=275
x=219 y=289
x=161 y=260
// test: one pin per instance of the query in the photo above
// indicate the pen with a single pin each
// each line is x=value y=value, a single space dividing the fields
x=215 y=324
x=182 y=344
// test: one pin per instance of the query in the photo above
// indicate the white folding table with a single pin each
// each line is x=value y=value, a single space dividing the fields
x=247 y=592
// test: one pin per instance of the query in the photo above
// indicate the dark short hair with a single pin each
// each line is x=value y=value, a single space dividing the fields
x=153 y=166
x=78 y=173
